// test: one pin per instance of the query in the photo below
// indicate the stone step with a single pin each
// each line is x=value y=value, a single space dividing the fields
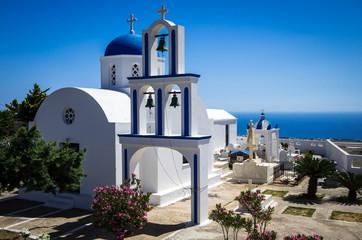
x=268 y=202
x=60 y=202
x=223 y=165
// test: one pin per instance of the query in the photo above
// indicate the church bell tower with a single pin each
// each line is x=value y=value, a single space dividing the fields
x=177 y=110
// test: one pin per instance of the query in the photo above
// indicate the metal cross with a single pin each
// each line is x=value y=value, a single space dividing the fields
x=162 y=11
x=131 y=21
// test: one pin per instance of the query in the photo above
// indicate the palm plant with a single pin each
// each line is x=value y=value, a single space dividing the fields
x=314 y=168
x=351 y=181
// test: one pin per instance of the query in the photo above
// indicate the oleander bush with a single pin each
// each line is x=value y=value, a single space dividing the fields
x=121 y=210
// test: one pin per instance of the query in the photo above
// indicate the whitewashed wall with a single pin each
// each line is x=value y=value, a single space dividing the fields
x=329 y=150
x=90 y=129
x=123 y=70
x=318 y=146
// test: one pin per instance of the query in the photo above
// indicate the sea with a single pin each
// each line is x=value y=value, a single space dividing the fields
x=336 y=125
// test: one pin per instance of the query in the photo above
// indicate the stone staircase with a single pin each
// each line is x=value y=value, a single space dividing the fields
x=60 y=202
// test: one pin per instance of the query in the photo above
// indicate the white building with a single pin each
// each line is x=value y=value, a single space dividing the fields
x=267 y=137
x=168 y=147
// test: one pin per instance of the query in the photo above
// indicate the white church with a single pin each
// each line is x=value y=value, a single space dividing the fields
x=143 y=120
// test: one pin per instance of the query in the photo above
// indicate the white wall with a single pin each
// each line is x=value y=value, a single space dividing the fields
x=218 y=140
x=318 y=146
x=123 y=70
x=171 y=160
x=90 y=129
x=329 y=150
x=160 y=169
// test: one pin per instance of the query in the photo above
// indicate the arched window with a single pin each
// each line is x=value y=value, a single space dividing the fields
x=113 y=74
x=135 y=70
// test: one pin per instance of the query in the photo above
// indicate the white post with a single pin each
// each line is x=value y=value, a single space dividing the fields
x=250 y=184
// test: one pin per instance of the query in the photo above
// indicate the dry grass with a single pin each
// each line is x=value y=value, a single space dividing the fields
x=275 y=193
x=299 y=211
x=7 y=235
x=346 y=216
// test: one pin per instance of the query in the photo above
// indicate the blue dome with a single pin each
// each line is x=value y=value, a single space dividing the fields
x=263 y=123
x=130 y=44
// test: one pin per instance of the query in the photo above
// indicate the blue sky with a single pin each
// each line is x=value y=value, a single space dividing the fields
x=276 y=55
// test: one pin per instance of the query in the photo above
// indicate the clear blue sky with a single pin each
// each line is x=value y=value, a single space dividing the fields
x=276 y=55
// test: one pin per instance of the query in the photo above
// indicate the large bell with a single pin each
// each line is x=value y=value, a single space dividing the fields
x=162 y=45
x=174 y=101
x=150 y=104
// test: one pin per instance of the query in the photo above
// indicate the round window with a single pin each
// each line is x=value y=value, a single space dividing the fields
x=69 y=115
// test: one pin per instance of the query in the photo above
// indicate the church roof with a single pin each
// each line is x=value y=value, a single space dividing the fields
x=115 y=105
x=263 y=124
x=129 y=44
x=219 y=115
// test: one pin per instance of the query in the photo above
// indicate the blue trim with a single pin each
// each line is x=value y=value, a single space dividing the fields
x=243 y=151
x=173 y=53
x=165 y=137
x=167 y=76
x=159 y=112
x=195 y=188
x=134 y=108
x=125 y=165
x=146 y=55
x=186 y=113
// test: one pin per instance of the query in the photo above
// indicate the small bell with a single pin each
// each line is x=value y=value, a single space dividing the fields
x=150 y=104
x=174 y=101
x=162 y=45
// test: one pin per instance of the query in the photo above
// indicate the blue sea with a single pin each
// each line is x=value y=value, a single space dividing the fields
x=337 y=125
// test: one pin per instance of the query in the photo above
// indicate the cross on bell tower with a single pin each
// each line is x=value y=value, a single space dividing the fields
x=131 y=20
x=162 y=12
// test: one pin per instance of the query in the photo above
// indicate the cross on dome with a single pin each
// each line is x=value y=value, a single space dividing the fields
x=162 y=12
x=131 y=20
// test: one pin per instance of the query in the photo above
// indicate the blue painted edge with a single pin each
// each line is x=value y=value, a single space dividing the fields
x=166 y=137
x=167 y=76
x=159 y=112
x=236 y=151
x=195 y=188
x=173 y=54
x=125 y=163
x=186 y=112
x=134 y=108
x=146 y=55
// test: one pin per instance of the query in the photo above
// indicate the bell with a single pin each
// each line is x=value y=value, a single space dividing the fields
x=150 y=104
x=174 y=101
x=162 y=45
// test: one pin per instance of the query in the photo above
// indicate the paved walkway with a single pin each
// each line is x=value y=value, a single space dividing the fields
x=172 y=222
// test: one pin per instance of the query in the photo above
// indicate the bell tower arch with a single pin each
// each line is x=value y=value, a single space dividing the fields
x=176 y=43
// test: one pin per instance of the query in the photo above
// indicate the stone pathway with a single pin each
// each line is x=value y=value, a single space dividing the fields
x=173 y=221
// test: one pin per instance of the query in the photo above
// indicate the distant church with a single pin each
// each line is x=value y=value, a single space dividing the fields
x=142 y=120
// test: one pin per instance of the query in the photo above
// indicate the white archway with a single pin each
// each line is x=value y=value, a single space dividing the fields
x=194 y=149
